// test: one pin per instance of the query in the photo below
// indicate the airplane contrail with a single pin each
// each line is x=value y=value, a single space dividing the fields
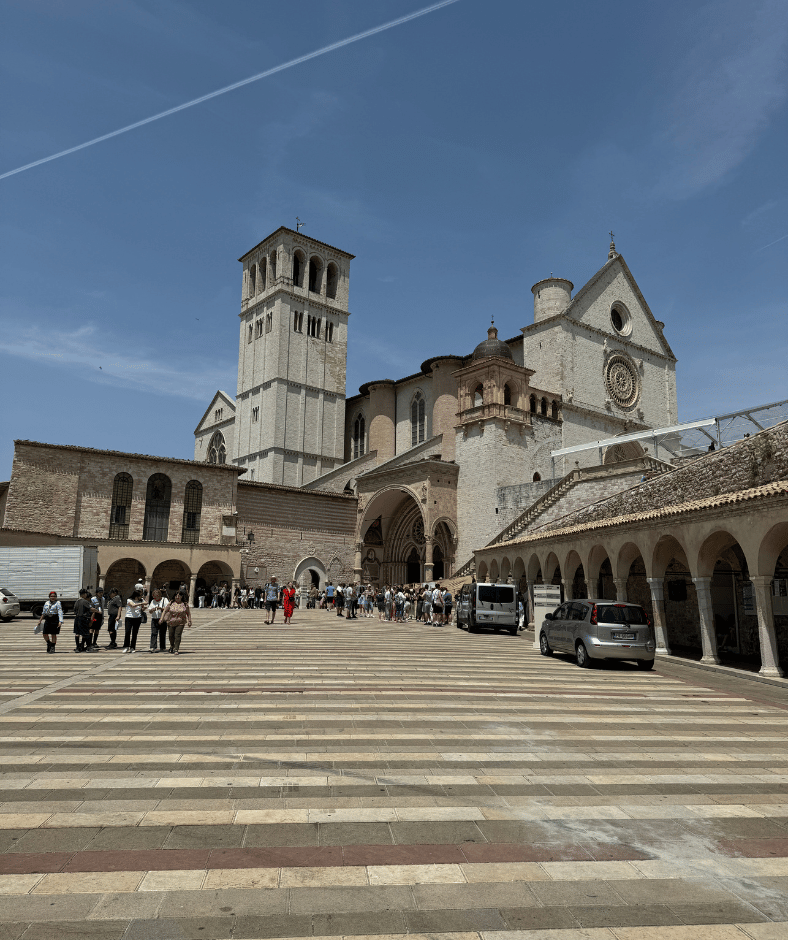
x=763 y=247
x=245 y=81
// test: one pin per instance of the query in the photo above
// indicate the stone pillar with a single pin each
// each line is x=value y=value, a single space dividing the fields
x=657 y=586
x=621 y=589
x=146 y=587
x=529 y=609
x=567 y=589
x=101 y=580
x=357 y=569
x=706 y=612
x=428 y=543
x=770 y=658
x=193 y=588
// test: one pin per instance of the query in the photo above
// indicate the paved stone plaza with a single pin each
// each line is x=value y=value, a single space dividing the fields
x=353 y=778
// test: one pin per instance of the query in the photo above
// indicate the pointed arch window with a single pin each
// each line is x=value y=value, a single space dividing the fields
x=157 y=508
x=543 y=407
x=253 y=280
x=478 y=396
x=507 y=395
x=120 y=514
x=418 y=424
x=532 y=404
x=298 y=269
x=217 y=449
x=359 y=437
x=192 y=507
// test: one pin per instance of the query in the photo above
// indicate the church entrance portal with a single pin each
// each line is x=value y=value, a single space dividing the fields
x=394 y=543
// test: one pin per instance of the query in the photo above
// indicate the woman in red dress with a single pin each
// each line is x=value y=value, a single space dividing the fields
x=288 y=600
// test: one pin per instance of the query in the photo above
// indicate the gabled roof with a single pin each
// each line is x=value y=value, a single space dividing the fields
x=222 y=396
x=575 y=302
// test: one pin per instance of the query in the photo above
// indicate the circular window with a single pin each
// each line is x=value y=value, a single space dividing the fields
x=622 y=322
x=622 y=382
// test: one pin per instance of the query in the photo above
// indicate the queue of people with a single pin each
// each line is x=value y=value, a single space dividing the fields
x=168 y=620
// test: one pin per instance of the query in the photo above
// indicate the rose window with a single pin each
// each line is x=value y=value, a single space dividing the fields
x=621 y=381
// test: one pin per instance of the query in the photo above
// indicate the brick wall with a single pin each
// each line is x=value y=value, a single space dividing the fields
x=68 y=491
x=295 y=528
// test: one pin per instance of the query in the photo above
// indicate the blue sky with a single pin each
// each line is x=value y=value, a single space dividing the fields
x=461 y=157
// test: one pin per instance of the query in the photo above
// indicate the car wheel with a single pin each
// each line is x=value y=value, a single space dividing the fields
x=544 y=646
x=645 y=664
x=37 y=611
x=582 y=658
x=514 y=630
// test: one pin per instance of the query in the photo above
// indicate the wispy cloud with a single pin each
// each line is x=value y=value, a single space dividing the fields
x=728 y=89
x=98 y=357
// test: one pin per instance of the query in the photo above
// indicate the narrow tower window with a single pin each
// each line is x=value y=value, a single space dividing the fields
x=332 y=280
x=359 y=437
x=417 y=420
x=478 y=396
x=253 y=280
x=507 y=395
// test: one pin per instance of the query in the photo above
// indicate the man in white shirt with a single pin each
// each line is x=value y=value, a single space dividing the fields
x=349 y=594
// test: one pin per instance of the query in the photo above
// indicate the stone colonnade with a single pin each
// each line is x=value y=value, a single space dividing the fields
x=754 y=531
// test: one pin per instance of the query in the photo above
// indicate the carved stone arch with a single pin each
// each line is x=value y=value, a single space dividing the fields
x=450 y=524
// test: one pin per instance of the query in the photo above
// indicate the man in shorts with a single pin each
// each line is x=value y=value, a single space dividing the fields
x=271 y=600
x=426 y=604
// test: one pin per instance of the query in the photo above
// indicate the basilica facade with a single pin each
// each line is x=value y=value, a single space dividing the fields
x=431 y=457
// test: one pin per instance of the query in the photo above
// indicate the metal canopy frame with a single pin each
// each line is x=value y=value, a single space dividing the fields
x=690 y=438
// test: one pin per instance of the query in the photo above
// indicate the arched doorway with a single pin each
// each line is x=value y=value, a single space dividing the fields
x=122 y=575
x=170 y=575
x=212 y=572
x=413 y=564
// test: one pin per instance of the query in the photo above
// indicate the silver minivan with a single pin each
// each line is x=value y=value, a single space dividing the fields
x=482 y=605
x=594 y=629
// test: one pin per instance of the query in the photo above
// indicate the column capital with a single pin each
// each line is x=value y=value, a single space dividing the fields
x=701 y=581
x=762 y=580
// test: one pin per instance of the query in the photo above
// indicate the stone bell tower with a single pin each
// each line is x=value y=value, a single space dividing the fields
x=292 y=355
x=493 y=432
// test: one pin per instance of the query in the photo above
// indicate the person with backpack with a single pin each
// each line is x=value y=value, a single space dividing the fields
x=113 y=613
x=448 y=603
x=82 y=613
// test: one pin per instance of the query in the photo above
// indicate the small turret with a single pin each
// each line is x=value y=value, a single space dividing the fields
x=551 y=297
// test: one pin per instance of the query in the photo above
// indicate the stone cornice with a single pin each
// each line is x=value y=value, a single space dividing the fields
x=310 y=300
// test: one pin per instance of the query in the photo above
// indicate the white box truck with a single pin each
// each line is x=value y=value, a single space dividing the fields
x=31 y=573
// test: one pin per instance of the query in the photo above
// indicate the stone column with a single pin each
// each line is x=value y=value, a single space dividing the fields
x=428 y=543
x=529 y=610
x=770 y=658
x=193 y=588
x=621 y=589
x=101 y=580
x=357 y=569
x=706 y=612
x=146 y=587
x=657 y=586
x=567 y=589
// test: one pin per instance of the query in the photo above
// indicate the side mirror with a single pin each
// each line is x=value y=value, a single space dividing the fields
x=548 y=616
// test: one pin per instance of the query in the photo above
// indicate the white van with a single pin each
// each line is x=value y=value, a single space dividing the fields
x=488 y=605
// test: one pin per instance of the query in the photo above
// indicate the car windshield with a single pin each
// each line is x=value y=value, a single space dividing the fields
x=621 y=614
x=496 y=594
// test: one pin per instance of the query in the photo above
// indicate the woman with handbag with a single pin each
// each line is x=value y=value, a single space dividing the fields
x=135 y=611
x=288 y=601
x=52 y=618
x=158 y=630
x=178 y=617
